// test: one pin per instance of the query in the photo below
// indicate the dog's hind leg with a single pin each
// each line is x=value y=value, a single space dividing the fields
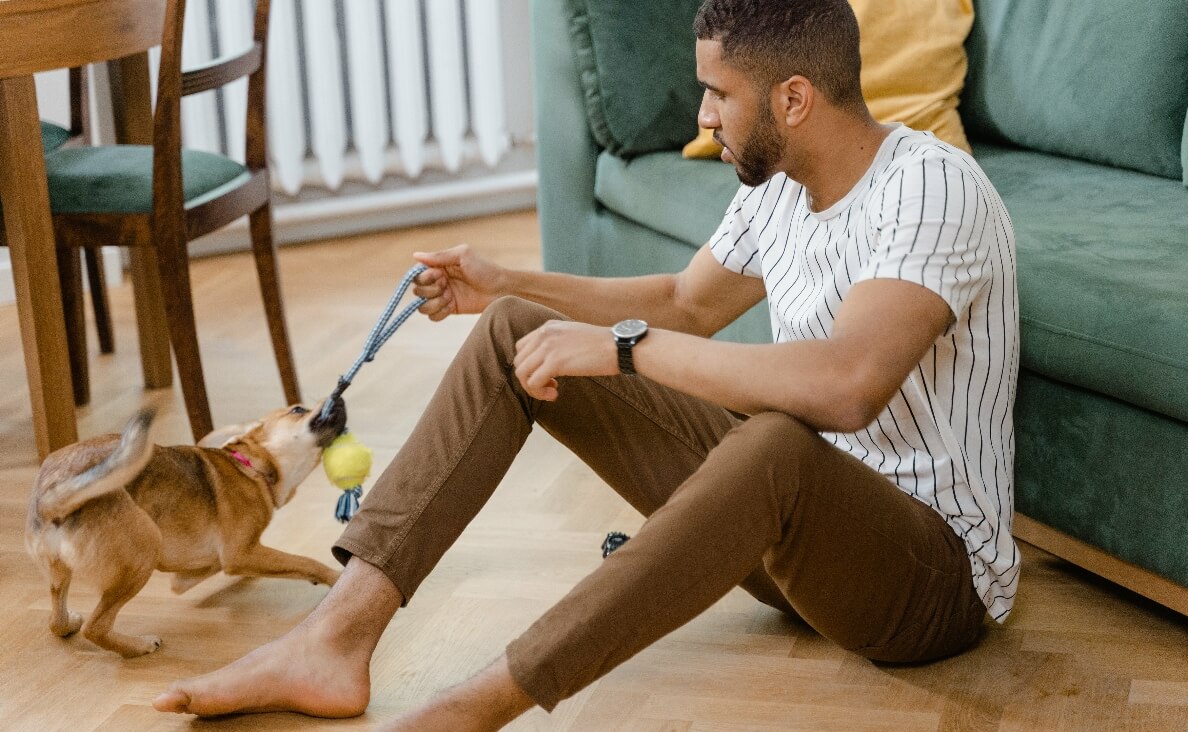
x=98 y=628
x=62 y=621
x=183 y=581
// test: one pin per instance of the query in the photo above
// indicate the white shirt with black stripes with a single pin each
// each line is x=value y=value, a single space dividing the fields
x=924 y=212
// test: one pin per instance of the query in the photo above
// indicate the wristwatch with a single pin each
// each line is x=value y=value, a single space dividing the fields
x=627 y=333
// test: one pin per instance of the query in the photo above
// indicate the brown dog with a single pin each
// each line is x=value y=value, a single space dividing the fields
x=115 y=508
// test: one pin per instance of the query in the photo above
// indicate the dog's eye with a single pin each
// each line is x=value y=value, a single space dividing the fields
x=298 y=410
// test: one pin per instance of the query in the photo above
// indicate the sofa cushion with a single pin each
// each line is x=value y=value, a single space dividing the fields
x=913 y=62
x=684 y=199
x=1100 y=80
x=640 y=95
x=1103 y=262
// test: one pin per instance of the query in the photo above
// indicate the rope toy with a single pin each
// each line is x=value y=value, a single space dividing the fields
x=347 y=461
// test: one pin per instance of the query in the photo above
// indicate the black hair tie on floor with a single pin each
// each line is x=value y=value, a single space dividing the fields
x=614 y=540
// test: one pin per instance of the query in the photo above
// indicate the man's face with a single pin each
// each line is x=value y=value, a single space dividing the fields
x=739 y=115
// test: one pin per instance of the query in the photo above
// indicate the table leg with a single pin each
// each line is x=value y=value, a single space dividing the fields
x=30 y=236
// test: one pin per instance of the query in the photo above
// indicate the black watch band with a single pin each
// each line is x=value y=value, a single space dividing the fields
x=627 y=333
x=626 y=362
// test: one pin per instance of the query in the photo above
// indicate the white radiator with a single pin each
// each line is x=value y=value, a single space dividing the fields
x=380 y=112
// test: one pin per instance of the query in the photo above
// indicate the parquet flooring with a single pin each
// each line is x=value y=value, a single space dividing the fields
x=1078 y=653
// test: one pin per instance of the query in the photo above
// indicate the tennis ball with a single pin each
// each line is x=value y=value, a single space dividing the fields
x=347 y=461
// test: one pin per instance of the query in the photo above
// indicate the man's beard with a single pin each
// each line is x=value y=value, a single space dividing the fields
x=756 y=159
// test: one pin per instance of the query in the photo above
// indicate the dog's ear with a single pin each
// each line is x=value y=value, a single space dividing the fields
x=226 y=435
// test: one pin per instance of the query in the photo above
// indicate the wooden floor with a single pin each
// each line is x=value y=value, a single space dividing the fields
x=1078 y=653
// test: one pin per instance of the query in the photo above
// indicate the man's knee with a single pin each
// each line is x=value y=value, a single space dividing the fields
x=509 y=319
x=779 y=430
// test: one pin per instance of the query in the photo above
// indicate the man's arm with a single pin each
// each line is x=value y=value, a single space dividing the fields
x=702 y=299
x=838 y=384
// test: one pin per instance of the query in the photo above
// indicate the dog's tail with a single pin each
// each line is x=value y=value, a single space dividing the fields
x=116 y=471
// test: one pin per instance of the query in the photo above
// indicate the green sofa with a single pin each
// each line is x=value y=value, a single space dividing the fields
x=1076 y=110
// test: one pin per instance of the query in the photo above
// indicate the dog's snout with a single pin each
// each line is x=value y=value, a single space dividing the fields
x=331 y=423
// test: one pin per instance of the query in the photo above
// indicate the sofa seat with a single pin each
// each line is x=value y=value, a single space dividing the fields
x=1101 y=274
x=684 y=199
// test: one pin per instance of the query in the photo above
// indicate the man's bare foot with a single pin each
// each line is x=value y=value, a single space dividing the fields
x=320 y=668
x=299 y=672
x=486 y=701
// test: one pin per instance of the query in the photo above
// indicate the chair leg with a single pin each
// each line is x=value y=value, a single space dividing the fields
x=151 y=324
x=99 y=301
x=70 y=280
x=174 y=269
x=266 y=269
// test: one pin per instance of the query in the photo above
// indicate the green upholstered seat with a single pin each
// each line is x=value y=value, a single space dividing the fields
x=119 y=178
x=53 y=136
x=684 y=199
x=1103 y=262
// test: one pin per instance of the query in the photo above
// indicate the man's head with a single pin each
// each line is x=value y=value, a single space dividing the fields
x=767 y=62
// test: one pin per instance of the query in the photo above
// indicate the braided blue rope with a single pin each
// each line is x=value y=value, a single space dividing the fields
x=380 y=334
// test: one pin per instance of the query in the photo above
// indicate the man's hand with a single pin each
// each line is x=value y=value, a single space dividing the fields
x=457 y=282
x=563 y=348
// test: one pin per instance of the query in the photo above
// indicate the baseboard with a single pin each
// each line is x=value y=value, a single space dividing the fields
x=1132 y=577
x=113 y=271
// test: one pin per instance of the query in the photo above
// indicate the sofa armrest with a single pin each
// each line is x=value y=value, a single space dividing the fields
x=567 y=153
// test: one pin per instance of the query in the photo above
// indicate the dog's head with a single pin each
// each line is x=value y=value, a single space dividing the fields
x=283 y=446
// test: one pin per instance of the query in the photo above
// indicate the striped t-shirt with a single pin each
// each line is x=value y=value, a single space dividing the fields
x=924 y=212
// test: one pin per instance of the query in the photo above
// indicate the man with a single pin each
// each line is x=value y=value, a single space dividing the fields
x=869 y=489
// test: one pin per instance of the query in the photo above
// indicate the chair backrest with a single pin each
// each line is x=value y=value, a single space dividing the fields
x=173 y=84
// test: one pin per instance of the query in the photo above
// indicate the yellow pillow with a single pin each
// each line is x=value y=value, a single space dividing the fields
x=913 y=66
x=702 y=146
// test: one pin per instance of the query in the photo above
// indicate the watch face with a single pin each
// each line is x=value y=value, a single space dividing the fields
x=629 y=329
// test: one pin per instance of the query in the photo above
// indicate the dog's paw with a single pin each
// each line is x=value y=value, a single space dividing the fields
x=328 y=579
x=73 y=623
x=146 y=644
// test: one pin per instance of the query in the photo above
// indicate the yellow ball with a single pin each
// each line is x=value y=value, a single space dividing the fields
x=347 y=461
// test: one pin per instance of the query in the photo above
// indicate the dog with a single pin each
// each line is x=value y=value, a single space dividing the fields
x=114 y=508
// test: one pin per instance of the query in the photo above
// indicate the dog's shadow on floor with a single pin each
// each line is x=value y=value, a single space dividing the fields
x=259 y=596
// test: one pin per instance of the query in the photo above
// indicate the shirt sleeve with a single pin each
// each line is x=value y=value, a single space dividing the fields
x=933 y=225
x=734 y=244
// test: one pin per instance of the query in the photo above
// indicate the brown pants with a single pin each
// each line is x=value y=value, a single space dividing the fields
x=765 y=503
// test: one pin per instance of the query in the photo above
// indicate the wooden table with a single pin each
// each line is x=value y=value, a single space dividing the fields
x=40 y=35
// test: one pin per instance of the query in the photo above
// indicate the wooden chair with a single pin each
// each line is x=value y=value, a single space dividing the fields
x=156 y=198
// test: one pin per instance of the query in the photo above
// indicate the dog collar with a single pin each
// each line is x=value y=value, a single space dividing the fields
x=243 y=459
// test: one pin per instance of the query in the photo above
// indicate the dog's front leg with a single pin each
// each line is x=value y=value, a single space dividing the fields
x=262 y=561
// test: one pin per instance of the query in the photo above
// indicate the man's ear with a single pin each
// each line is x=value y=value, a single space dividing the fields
x=225 y=435
x=793 y=99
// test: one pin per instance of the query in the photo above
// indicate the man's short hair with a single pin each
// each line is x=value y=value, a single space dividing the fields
x=773 y=40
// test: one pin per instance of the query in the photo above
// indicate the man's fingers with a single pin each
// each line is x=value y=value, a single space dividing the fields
x=444 y=258
x=438 y=308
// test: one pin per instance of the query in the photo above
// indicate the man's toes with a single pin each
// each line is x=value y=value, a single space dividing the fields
x=173 y=700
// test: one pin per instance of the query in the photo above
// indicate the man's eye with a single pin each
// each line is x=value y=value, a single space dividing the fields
x=298 y=410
